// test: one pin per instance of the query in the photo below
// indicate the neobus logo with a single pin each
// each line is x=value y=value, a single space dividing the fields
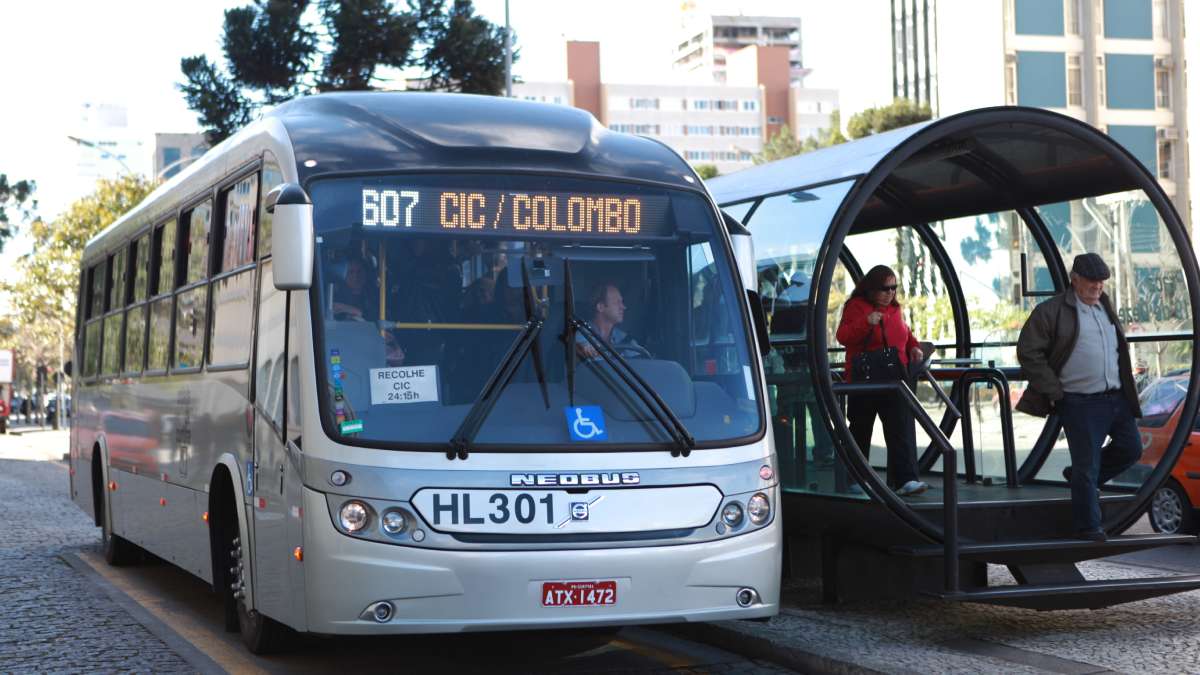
x=614 y=478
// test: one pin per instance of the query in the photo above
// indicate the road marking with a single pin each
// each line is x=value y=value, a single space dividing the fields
x=215 y=645
x=669 y=659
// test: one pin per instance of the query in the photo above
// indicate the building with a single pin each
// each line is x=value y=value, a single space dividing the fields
x=106 y=145
x=706 y=42
x=173 y=152
x=1116 y=64
x=724 y=124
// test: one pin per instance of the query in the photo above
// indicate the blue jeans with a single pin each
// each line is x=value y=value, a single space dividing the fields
x=1087 y=420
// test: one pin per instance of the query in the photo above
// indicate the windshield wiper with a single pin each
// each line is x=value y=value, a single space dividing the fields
x=683 y=439
x=526 y=342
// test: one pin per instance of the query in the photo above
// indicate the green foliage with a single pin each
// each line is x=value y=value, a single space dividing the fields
x=273 y=54
x=901 y=113
x=466 y=52
x=18 y=197
x=779 y=146
x=43 y=296
x=365 y=35
x=707 y=171
x=784 y=144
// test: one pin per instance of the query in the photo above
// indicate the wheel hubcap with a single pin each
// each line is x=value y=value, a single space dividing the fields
x=1167 y=510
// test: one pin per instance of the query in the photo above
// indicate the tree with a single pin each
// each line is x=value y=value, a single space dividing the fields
x=785 y=144
x=43 y=295
x=901 y=113
x=782 y=145
x=17 y=197
x=707 y=171
x=272 y=54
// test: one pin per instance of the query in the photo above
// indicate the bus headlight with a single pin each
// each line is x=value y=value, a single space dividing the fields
x=394 y=522
x=732 y=514
x=759 y=508
x=354 y=516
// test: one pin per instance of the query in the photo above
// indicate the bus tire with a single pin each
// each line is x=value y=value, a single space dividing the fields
x=260 y=633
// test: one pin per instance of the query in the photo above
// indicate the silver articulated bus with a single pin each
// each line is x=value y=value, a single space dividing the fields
x=417 y=363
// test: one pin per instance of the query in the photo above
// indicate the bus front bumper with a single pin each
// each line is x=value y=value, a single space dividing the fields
x=445 y=591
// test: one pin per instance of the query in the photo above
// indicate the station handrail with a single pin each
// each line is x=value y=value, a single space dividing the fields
x=966 y=377
x=949 y=464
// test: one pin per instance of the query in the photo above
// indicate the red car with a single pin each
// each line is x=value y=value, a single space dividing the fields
x=1173 y=509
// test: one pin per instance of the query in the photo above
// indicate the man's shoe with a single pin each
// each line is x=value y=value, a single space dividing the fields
x=1091 y=535
x=912 y=487
x=1067 y=473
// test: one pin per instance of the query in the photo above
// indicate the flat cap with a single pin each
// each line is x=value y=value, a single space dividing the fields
x=1091 y=266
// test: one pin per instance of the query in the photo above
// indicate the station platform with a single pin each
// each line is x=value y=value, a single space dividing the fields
x=1158 y=635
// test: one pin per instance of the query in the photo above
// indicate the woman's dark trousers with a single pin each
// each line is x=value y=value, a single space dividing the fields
x=899 y=433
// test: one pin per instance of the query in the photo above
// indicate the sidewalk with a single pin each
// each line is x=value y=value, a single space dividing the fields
x=34 y=443
x=1160 y=635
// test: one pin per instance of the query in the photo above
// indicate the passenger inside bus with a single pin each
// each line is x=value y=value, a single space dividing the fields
x=356 y=297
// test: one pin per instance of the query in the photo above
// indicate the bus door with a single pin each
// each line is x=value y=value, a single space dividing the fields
x=271 y=553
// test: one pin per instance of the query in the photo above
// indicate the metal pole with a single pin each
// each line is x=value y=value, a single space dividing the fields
x=61 y=405
x=507 y=54
x=950 y=518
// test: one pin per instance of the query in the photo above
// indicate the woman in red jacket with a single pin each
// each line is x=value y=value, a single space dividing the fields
x=869 y=315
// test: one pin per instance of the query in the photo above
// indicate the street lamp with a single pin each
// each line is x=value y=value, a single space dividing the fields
x=104 y=154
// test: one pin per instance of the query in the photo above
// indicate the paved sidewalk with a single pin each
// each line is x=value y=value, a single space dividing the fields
x=35 y=444
x=1161 y=635
x=51 y=618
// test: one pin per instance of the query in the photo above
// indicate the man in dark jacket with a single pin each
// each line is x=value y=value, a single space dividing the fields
x=1073 y=352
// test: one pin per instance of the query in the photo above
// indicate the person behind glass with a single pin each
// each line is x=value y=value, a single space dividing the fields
x=608 y=312
x=1075 y=356
x=354 y=299
x=870 y=314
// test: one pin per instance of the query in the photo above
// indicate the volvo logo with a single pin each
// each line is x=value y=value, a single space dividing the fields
x=574 y=479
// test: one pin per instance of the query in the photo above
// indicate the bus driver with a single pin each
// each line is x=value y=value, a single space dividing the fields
x=608 y=312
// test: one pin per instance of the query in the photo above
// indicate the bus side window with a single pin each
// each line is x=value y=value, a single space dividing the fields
x=233 y=295
x=271 y=177
x=161 y=282
x=191 y=302
x=269 y=364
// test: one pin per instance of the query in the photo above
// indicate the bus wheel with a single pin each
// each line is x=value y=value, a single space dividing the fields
x=262 y=634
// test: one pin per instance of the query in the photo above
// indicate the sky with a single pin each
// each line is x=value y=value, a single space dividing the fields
x=56 y=56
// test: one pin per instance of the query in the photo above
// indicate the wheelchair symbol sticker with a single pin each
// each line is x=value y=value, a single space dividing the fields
x=586 y=423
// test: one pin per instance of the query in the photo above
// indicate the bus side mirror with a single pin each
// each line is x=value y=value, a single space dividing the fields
x=291 y=237
x=67 y=368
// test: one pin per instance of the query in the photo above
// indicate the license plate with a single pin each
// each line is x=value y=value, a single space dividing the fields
x=578 y=593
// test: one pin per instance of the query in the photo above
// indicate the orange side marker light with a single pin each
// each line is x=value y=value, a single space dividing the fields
x=298 y=553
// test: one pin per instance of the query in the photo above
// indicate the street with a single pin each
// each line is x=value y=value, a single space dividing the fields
x=65 y=609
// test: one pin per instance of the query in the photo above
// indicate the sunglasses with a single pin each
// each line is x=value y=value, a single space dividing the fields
x=888 y=289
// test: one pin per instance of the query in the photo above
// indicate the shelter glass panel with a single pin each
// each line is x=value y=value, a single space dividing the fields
x=788 y=231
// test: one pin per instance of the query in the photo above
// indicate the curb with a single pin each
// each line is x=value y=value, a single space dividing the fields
x=760 y=648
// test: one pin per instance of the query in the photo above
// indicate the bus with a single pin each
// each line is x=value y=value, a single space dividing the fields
x=389 y=363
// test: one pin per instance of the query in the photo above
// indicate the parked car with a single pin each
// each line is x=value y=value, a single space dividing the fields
x=52 y=409
x=1173 y=509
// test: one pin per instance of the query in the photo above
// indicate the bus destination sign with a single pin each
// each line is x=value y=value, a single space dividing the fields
x=516 y=213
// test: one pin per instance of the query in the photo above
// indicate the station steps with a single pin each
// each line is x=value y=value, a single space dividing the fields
x=1047 y=578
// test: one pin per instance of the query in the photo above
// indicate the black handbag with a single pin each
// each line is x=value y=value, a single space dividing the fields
x=878 y=365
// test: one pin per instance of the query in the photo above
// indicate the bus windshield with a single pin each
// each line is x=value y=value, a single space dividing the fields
x=427 y=285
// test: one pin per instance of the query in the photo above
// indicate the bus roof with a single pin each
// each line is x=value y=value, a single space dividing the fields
x=356 y=132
